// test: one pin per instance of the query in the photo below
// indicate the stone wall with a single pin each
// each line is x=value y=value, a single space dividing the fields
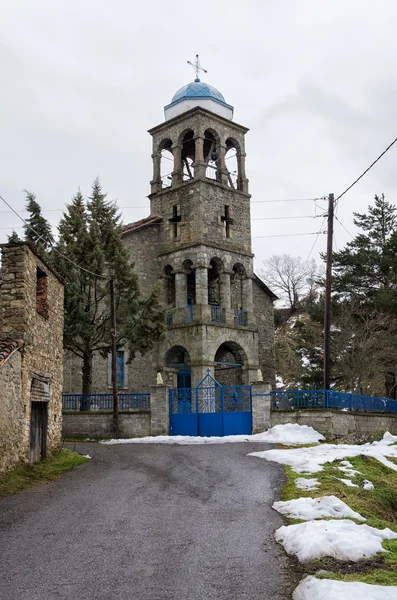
x=12 y=413
x=264 y=312
x=27 y=314
x=336 y=423
x=100 y=424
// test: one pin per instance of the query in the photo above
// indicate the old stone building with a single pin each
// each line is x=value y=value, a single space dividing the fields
x=31 y=331
x=197 y=244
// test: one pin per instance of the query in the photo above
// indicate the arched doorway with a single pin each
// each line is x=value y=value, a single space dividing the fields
x=178 y=359
x=229 y=362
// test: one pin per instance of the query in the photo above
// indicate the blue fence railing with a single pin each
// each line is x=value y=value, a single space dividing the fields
x=293 y=399
x=105 y=401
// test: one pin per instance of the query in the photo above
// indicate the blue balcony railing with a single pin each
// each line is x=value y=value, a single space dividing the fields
x=77 y=402
x=217 y=314
x=240 y=317
x=295 y=399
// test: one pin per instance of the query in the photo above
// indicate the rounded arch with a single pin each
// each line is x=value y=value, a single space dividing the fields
x=166 y=162
x=188 y=153
x=187 y=265
x=233 y=163
x=211 y=153
x=177 y=357
x=230 y=363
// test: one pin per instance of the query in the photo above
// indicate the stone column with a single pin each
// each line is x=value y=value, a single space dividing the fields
x=177 y=172
x=160 y=410
x=199 y=164
x=201 y=274
x=180 y=289
x=260 y=406
x=225 y=289
x=222 y=166
x=156 y=182
x=247 y=294
x=242 y=177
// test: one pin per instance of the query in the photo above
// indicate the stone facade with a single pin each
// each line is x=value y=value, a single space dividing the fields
x=336 y=423
x=196 y=244
x=31 y=310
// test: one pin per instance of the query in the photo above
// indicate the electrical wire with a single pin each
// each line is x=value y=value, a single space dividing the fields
x=40 y=237
x=366 y=171
x=347 y=231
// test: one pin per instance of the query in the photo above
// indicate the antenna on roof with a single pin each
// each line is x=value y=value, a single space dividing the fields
x=197 y=67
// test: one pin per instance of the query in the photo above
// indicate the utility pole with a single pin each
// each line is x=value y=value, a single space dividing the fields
x=328 y=287
x=116 y=430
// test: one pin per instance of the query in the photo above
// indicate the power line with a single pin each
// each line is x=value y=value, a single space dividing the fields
x=322 y=230
x=366 y=170
x=287 y=234
x=347 y=231
x=40 y=237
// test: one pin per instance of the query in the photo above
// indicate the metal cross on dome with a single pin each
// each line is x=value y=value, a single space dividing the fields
x=197 y=67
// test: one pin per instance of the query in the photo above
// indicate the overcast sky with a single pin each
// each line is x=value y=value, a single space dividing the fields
x=315 y=81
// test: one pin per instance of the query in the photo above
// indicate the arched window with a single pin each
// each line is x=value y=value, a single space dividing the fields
x=166 y=163
x=211 y=149
x=188 y=155
x=232 y=159
x=190 y=282
x=230 y=358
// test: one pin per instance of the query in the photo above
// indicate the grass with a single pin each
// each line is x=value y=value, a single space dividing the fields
x=49 y=469
x=378 y=506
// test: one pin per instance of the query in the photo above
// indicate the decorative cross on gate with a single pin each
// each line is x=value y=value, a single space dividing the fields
x=226 y=218
x=175 y=219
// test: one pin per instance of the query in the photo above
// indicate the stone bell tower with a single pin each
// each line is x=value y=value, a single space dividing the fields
x=199 y=196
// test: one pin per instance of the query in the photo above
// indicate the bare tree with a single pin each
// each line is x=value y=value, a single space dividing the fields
x=290 y=277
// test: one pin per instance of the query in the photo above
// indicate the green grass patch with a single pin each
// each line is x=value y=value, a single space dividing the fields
x=49 y=469
x=378 y=506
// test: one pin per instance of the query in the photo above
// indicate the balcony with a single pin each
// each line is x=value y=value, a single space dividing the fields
x=240 y=318
x=217 y=314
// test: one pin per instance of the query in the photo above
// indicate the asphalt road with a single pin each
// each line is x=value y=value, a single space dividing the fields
x=150 y=523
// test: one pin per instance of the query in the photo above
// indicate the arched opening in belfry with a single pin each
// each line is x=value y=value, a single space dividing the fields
x=214 y=281
x=177 y=360
x=236 y=286
x=232 y=164
x=169 y=285
x=211 y=150
x=188 y=155
x=229 y=362
x=166 y=163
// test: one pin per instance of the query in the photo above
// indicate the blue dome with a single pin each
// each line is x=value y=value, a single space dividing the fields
x=198 y=90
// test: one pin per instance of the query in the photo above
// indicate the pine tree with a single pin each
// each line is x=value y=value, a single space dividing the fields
x=90 y=236
x=366 y=269
x=37 y=230
x=14 y=237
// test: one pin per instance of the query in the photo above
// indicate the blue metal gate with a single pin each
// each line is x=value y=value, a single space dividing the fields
x=211 y=409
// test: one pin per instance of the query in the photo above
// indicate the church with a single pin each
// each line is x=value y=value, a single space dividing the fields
x=196 y=244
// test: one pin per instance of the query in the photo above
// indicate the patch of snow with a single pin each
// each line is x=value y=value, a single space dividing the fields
x=343 y=540
x=279 y=382
x=368 y=485
x=306 y=484
x=86 y=456
x=288 y=434
x=310 y=460
x=312 y=588
x=308 y=509
x=347 y=482
x=348 y=468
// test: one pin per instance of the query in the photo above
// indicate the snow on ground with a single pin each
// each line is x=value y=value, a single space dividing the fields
x=316 y=508
x=327 y=589
x=348 y=469
x=342 y=539
x=306 y=484
x=87 y=456
x=310 y=460
x=368 y=485
x=289 y=434
x=347 y=482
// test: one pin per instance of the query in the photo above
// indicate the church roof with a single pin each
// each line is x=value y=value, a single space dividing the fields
x=198 y=90
x=264 y=287
x=142 y=223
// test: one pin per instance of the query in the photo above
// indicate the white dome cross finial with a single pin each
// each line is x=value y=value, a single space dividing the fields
x=197 y=67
